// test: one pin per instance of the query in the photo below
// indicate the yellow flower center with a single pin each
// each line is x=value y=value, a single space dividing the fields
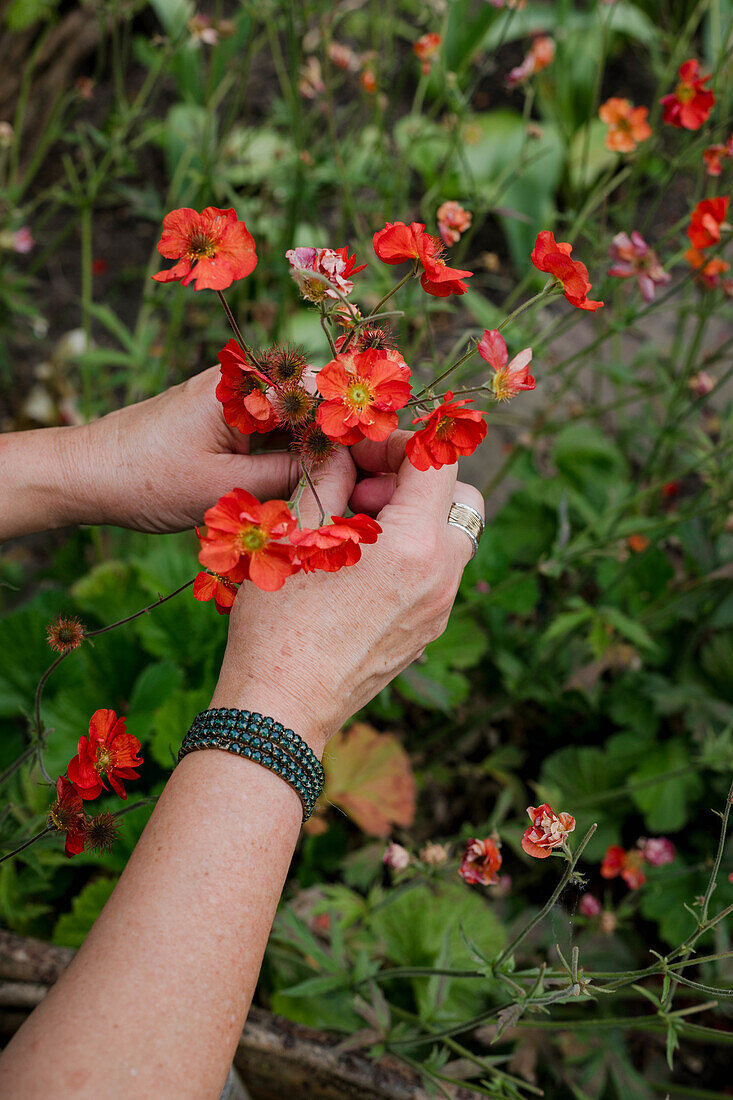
x=684 y=93
x=253 y=539
x=444 y=427
x=104 y=760
x=358 y=395
x=200 y=245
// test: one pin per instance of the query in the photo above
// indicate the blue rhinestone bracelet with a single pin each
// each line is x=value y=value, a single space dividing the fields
x=264 y=741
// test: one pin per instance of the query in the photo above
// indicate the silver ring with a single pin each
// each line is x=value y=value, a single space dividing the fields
x=469 y=520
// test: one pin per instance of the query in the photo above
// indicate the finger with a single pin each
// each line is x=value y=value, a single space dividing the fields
x=381 y=458
x=334 y=484
x=372 y=494
x=460 y=540
x=267 y=476
x=429 y=492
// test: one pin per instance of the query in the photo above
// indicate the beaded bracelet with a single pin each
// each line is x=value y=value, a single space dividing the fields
x=263 y=740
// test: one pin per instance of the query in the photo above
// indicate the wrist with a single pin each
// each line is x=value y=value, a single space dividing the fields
x=274 y=701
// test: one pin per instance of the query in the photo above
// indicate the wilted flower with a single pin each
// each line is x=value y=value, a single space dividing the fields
x=202 y=29
x=689 y=105
x=453 y=221
x=627 y=124
x=547 y=831
x=634 y=258
x=589 y=906
x=67 y=815
x=481 y=862
x=433 y=853
x=510 y=378
x=310 y=82
x=541 y=54
x=65 y=634
x=396 y=857
x=333 y=265
x=656 y=850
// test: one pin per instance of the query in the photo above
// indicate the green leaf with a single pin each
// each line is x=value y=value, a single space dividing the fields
x=665 y=804
x=171 y=720
x=22 y=14
x=588 y=156
x=71 y=928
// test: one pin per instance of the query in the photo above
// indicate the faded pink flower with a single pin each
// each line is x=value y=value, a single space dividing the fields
x=634 y=258
x=310 y=82
x=481 y=862
x=589 y=906
x=547 y=831
x=434 y=854
x=333 y=264
x=656 y=850
x=509 y=377
x=23 y=240
x=396 y=857
x=541 y=54
x=702 y=383
x=344 y=57
x=453 y=221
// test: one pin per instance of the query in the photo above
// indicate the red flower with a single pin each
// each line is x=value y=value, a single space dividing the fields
x=689 y=105
x=629 y=865
x=212 y=586
x=212 y=247
x=509 y=378
x=547 y=831
x=108 y=753
x=453 y=221
x=334 y=545
x=425 y=49
x=714 y=154
x=67 y=815
x=241 y=540
x=362 y=392
x=706 y=221
x=708 y=271
x=450 y=430
x=242 y=390
x=541 y=54
x=398 y=242
x=589 y=906
x=554 y=257
x=481 y=862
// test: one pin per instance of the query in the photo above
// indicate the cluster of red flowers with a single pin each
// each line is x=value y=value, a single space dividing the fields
x=357 y=395
x=107 y=755
x=629 y=865
x=707 y=222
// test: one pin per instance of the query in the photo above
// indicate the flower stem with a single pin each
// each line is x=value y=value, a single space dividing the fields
x=321 y=513
x=33 y=839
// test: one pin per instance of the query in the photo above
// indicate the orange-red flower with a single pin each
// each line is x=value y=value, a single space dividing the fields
x=425 y=49
x=453 y=221
x=242 y=390
x=399 y=242
x=706 y=222
x=541 y=54
x=67 y=815
x=627 y=124
x=554 y=257
x=708 y=271
x=509 y=377
x=481 y=862
x=108 y=753
x=334 y=545
x=638 y=543
x=362 y=391
x=714 y=155
x=450 y=430
x=547 y=831
x=242 y=540
x=213 y=248
x=212 y=586
x=689 y=105
x=629 y=865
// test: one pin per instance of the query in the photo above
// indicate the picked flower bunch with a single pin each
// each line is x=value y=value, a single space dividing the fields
x=357 y=395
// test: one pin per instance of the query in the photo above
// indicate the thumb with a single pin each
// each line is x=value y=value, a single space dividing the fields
x=266 y=476
x=334 y=483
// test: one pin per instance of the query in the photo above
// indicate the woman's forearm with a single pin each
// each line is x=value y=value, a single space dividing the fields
x=154 y=1002
x=43 y=480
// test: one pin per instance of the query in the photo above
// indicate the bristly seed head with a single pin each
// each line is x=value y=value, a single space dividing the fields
x=65 y=634
x=313 y=445
x=287 y=364
x=293 y=406
x=101 y=832
x=380 y=337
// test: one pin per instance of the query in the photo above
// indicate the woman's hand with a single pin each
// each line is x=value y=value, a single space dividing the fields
x=315 y=652
x=155 y=466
